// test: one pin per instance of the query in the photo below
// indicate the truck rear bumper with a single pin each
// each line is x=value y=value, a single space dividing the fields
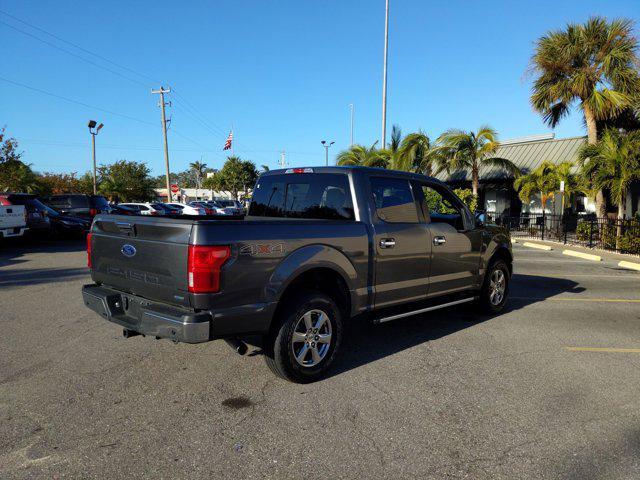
x=142 y=316
x=175 y=323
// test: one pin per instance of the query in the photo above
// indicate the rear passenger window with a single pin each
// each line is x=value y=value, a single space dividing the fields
x=394 y=200
x=319 y=196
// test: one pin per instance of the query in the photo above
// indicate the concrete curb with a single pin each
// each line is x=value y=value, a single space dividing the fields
x=586 y=256
x=537 y=245
x=629 y=265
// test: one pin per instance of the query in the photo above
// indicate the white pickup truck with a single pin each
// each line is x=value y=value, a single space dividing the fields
x=13 y=221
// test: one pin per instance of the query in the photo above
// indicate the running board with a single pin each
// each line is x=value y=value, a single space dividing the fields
x=424 y=310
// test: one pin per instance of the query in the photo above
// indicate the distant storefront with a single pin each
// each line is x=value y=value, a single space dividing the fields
x=497 y=195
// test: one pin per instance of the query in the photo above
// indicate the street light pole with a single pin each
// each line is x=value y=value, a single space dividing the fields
x=383 y=141
x=326 y=146
x=351 y=107
x=92 y=125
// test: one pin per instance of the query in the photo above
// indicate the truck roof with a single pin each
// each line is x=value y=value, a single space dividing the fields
x=351 y=168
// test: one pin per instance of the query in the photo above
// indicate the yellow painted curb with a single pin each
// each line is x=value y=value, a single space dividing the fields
x=586 y=256
x=631 y=265
x=536 y=245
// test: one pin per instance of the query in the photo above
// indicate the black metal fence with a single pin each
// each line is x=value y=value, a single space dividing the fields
x=604 y=233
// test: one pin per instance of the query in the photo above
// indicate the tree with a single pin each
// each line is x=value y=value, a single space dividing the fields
x=15 y=175
x=126 y=181
x=423 y=156
x=545 y=180
x=360 y=155
x=593 y=64
x=613 y=163
x=236 y=175
x=470 y=150
x=8 y=148
x=199 y=169
x=55 y=183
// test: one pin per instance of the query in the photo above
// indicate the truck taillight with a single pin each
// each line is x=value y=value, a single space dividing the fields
x=89 y=250
x=93 y=212
x=204 y=265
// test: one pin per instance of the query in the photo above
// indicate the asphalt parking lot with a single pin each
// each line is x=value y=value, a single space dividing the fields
x=445 y=395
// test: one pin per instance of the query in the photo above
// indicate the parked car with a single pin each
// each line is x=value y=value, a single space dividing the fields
x=37 y=220
x=13 y=221
x=318 y=247
x=67 y=225
x=78 y=205
x=145 y=208
x=231 y=207
x=167 y=209
x=118 y=209
x=187 y=209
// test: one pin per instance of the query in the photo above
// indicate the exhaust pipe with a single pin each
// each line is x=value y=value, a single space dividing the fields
x=126 y=333
x=238 y=345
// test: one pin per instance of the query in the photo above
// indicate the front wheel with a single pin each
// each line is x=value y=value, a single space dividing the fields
x=302 y=347
x=495 y=288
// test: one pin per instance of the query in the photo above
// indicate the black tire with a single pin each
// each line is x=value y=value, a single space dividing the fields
x=488 y=303
x=280 y=352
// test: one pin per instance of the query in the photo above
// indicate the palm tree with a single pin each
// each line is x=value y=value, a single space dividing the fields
x=422 y=155
x=613 y=163
x=545 y=180
x=470 y=150
x=363 y=156
x=199 y=169
x=594 y=64
x=395 y=160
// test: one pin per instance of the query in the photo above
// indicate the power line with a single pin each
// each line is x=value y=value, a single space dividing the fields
x=185 y=106
x=74 y=55
x=24 y=22
x=77 y=102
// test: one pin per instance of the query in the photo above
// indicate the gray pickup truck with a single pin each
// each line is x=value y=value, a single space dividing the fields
x=318 y=247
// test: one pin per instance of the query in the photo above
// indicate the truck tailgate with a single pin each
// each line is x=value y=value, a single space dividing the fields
x=145 y=256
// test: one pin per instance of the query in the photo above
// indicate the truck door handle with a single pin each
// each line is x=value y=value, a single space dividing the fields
x=439 y=240
x=387 y=243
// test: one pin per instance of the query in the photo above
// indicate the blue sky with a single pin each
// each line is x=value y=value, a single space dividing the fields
x=281 y=72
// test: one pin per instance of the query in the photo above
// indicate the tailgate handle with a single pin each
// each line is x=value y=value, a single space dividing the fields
x=126 y=227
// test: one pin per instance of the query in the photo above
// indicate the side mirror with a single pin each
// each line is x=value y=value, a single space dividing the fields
x=481 y=219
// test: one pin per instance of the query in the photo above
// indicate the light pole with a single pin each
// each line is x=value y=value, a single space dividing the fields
x=384 y=77
x=92 y=126
x=351 y=107
x=326 y=146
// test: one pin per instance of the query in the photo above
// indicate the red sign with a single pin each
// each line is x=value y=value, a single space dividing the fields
x=175 y=188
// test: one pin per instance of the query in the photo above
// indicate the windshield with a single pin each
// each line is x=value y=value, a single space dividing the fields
x=226 y=203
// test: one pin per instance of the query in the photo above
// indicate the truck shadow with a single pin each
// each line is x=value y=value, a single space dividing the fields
x=17 y=277
x=12 y=250
x=366 y=343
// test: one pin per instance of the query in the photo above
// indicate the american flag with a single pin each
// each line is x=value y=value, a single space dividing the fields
x=227 y=144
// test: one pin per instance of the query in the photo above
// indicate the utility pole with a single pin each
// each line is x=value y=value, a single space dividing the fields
x=351 y=107
x=384 y=77
x=326 y=146
x=161 y=92
x=282 y=159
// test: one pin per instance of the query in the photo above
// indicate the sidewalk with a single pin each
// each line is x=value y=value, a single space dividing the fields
x=605 y=254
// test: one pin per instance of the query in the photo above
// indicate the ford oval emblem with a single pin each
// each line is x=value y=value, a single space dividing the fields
x=128 y=250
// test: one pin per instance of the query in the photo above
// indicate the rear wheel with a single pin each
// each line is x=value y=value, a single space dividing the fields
x=302 y=347
x=495 y=288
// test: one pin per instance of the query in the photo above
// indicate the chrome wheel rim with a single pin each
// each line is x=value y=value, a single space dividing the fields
x=497 y=287
x=311 y=338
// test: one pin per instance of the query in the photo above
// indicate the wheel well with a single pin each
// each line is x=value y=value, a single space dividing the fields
x=323 y=280
x=503 y=253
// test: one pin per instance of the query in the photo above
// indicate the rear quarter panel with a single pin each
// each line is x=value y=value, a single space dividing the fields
x=267 y=255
